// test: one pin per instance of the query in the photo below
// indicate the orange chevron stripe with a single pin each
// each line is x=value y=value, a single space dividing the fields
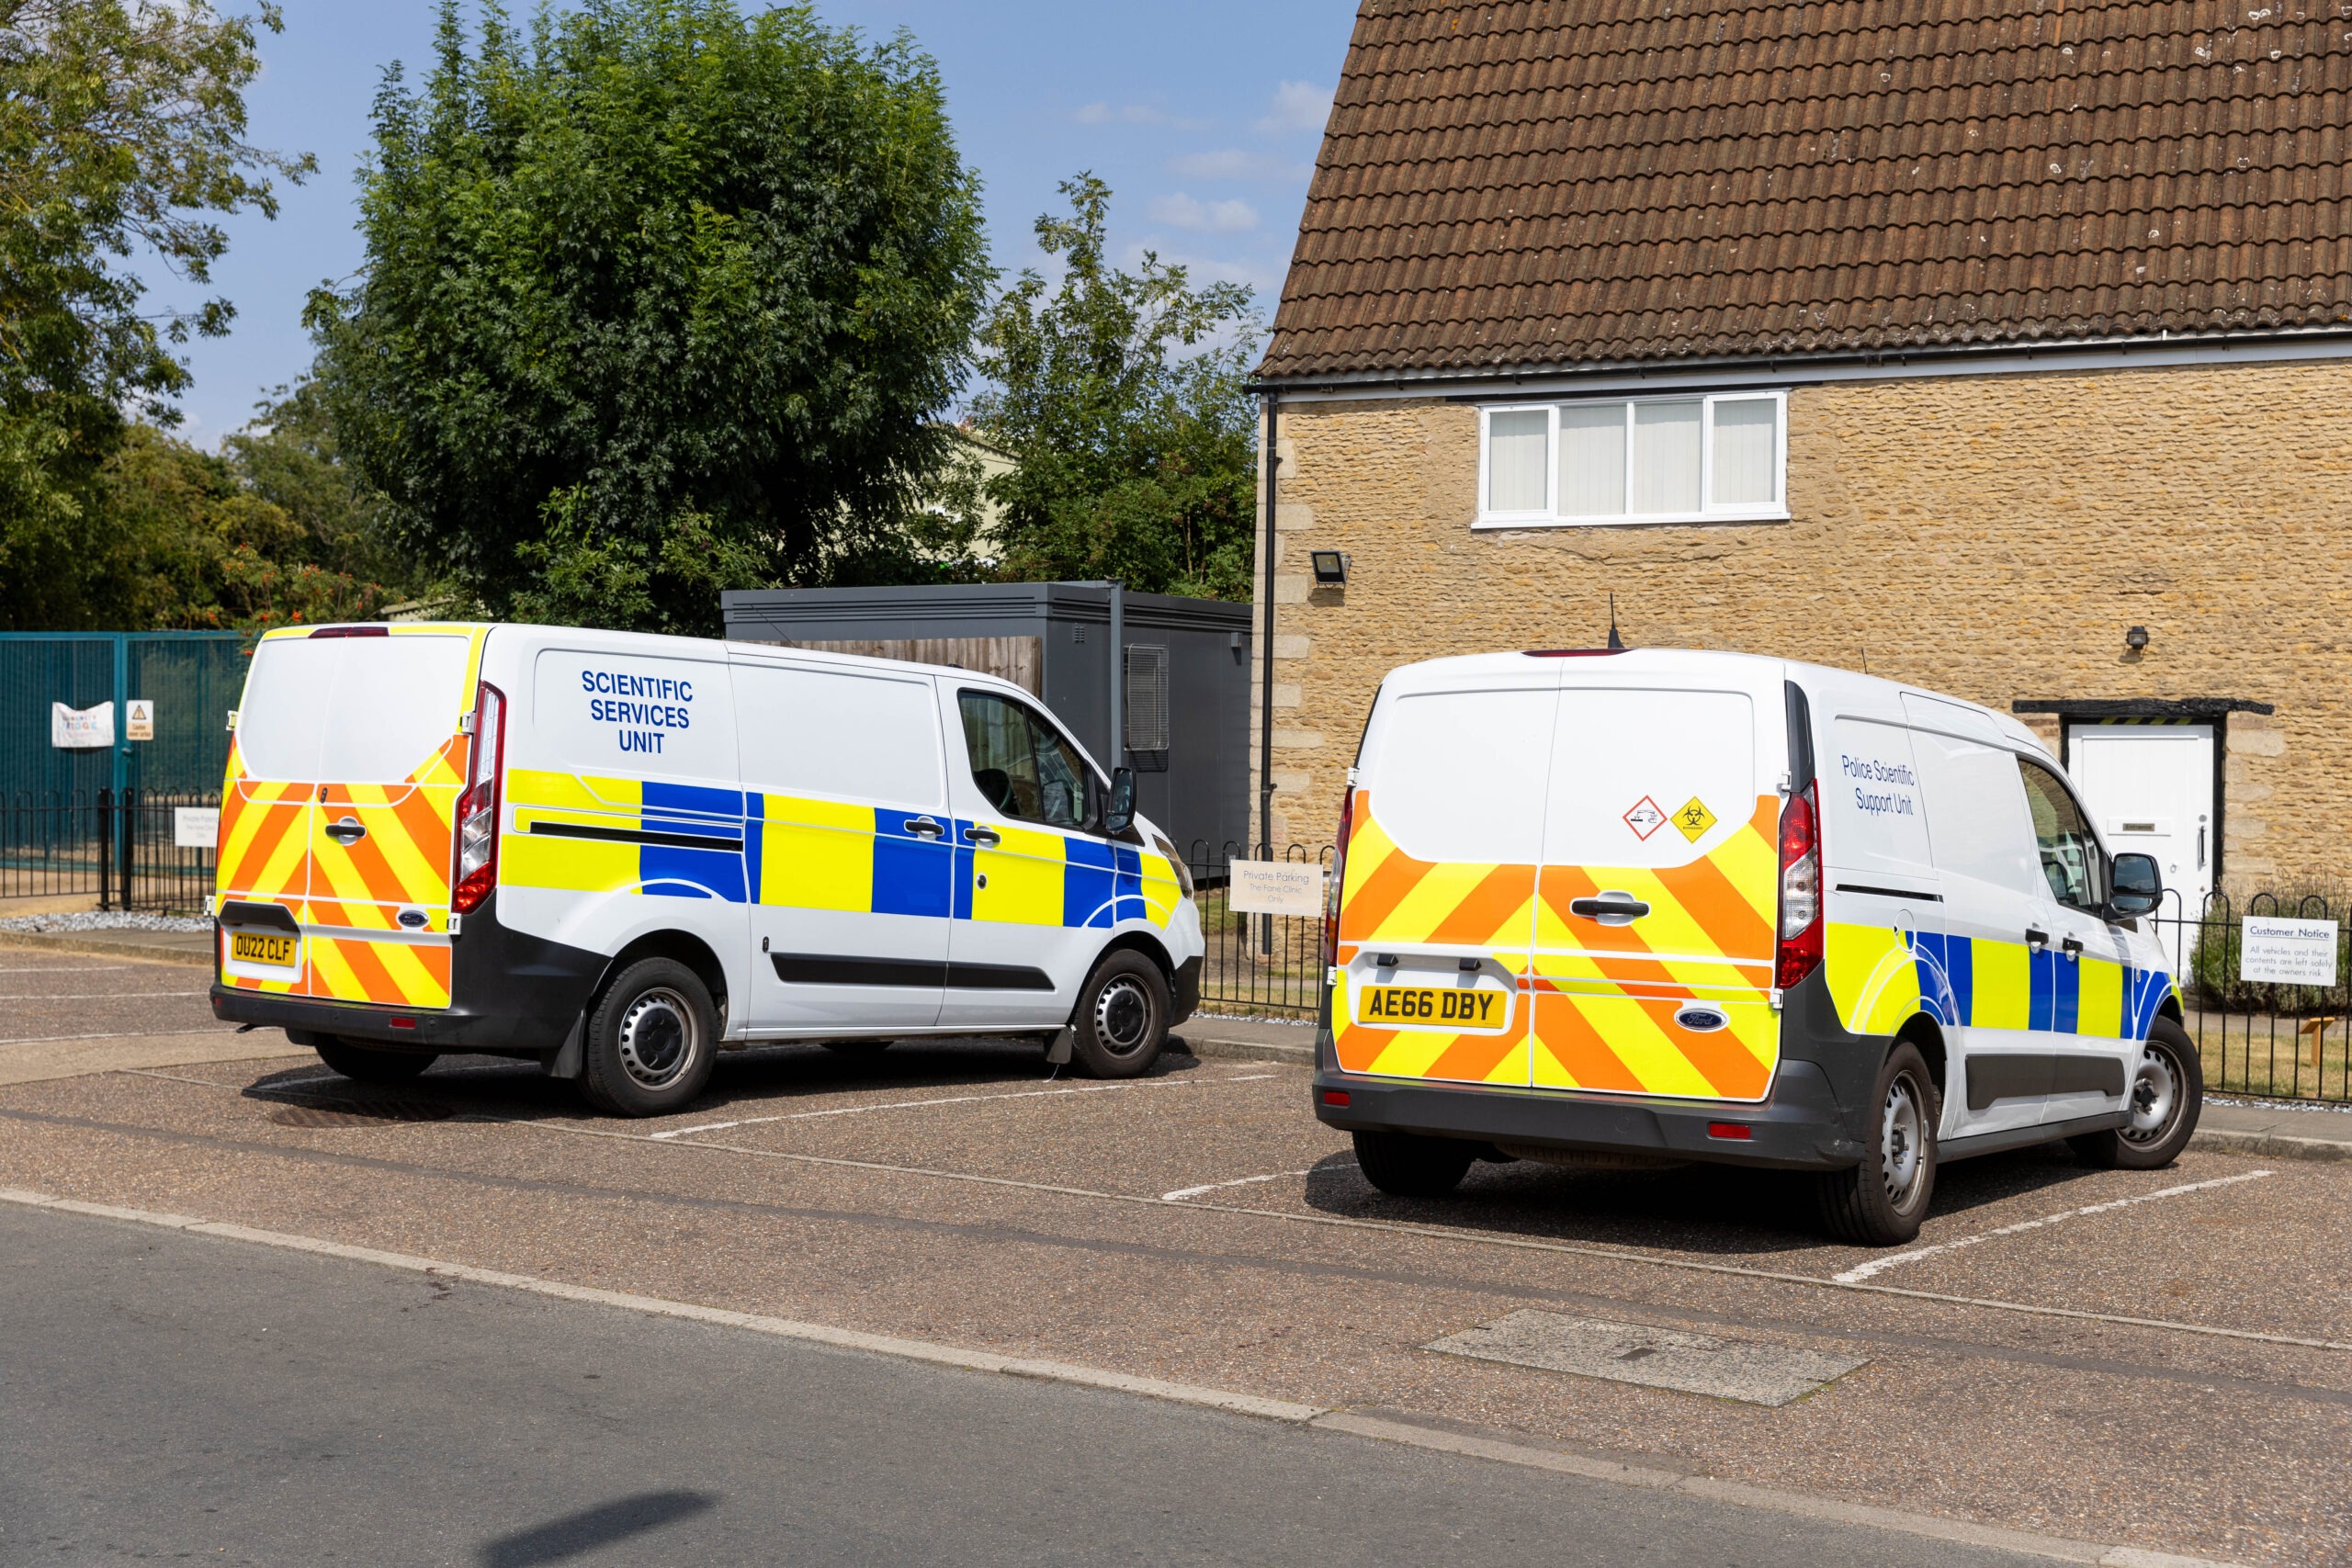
x=1473 y=1056
x=1720 y=1059
x=1481 y=916
x=1570 y=1039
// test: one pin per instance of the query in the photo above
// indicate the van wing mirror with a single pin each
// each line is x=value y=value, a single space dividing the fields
x=1119 y=813
x=2138 y=887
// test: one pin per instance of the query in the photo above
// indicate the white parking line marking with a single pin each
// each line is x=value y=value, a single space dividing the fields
x=950 y=1100
x=63 y=969
x=1183 y=1192
x=1855 y=1275
x=92 y=995
x=134 y=1035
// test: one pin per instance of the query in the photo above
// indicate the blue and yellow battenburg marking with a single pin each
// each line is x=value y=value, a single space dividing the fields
x=1880 y=976
x=798 y=853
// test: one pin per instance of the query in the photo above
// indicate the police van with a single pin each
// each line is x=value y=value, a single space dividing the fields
x=618 y=855
x=1642 y=908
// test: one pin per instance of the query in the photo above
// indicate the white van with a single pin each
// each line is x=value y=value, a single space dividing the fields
x=1645 y=907
x=618 y=853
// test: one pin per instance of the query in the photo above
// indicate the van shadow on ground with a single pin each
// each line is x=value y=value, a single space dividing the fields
x=1712 y=1211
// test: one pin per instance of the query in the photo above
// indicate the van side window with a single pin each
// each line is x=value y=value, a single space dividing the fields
x=2071 y=861
x=1023 y=765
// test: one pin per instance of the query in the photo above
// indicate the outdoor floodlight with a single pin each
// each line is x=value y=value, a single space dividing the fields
x=2136 y=639
x=1331 y=565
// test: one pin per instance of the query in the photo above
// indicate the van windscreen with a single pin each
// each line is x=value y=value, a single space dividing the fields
x=351 y=710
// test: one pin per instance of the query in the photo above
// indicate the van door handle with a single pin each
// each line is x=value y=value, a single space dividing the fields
x=922 y=828
x=2036 y=937
x=979 y=835
x=1610 y=908
x=346 y=832
x=2074 y=948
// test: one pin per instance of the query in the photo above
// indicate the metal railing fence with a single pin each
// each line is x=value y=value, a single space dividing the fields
x=2289 y=1042
x=1267 y=965
x=118 y=849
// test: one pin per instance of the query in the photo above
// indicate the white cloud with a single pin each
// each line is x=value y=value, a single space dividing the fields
x=1235 y=163
x=1093 y=114
x=1135 y=114
x=1182 y=211
x=1297 y=105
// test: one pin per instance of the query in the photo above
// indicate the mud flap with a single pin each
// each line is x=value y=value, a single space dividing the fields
x=564 y=1062
x=1057 y=1050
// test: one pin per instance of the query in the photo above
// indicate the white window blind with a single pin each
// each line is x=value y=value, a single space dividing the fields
x=1698 y=458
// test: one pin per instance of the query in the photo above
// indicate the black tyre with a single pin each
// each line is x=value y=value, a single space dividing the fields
x=650 y=1039
x=2167 y=1095
x=1881 y=1202
x=1406 y=1164
x=371 y=1066
x=1122 y=1019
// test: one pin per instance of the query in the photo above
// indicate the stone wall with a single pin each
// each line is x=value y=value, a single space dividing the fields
x=1989 y=536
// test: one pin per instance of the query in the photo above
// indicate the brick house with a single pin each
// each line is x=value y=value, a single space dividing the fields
x=2003 y=346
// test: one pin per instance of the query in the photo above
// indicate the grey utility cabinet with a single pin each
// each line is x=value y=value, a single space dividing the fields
x=1186 y=673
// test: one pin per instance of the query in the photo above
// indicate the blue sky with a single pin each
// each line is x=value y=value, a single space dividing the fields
x=1203 y=115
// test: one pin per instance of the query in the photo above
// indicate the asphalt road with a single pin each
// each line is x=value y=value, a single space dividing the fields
x=173 y=1397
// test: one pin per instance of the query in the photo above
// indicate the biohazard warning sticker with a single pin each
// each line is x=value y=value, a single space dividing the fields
x=1694 y=820
x=1644 y=818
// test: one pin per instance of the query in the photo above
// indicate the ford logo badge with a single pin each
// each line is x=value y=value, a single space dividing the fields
x=1702 y=1021
x=414 y=919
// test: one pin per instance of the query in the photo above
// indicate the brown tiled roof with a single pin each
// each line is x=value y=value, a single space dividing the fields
x=1520 y=184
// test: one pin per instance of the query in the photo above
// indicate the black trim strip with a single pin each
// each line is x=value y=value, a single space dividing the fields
x=634 y=836
x=1890 y=893
x=2004 y=1077
x=271 y=917
x=835 y=969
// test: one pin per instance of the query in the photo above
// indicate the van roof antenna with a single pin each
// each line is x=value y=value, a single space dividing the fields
x=1615 y=642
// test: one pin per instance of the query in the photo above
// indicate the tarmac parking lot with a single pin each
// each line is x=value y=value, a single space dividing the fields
x=2162 y=1359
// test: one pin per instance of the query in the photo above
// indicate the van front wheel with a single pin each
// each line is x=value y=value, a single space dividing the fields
x=649 y=1041
x=2167 y=1095
x=1881 y=1202
x=1122 y=1014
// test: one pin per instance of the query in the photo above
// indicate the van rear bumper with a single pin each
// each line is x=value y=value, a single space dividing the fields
x=1799 y=1126
x=510 y=993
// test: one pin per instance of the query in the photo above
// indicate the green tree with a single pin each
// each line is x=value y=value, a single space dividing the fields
x=121 y=135
x=1123 y=400
x=288 y=457
x=658 y=300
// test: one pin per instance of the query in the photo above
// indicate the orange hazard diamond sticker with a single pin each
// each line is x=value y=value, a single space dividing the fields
x=1644 y=818
x=1694 y=820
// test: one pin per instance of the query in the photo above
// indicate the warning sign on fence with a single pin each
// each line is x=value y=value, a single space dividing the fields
x=2288 y=952
x=1275 y=888
x=195 y=827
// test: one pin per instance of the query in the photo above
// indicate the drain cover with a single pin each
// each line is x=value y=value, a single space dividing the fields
x=1655 y=1357
x=359 y=1113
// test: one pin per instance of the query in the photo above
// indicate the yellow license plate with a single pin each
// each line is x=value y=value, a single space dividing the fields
x=1454 y=1007
x=259 y=947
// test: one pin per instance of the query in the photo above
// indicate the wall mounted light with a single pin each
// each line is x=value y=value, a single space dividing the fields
x=2136 y=639
x=1330 y=566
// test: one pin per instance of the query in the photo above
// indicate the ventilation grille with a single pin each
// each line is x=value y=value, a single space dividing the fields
x=1147 y=697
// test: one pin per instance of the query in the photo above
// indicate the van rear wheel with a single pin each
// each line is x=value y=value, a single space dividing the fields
x=1123 y=1012
x=359 y=1063
x=1881 y=1202
x=1407 y=1165
x=649 y=1041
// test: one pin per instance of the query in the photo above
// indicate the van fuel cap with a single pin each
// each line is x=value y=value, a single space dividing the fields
x=1701 y=1020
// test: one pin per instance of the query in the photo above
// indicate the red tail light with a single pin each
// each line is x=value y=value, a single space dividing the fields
x=1799 y=952
x=1339 y=876
x=478 y=808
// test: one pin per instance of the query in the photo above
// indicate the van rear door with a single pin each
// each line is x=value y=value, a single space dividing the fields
x=1658 y=890
x=1437 y=895
x=362 y=724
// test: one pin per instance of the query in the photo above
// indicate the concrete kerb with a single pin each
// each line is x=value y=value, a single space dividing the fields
x=1500 y=1449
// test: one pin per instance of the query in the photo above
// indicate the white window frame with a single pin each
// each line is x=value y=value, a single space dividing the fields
x=1774 y=510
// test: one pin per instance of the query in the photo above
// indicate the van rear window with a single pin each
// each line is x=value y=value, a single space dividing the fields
x=1459 y=775
x=1645 y=778
x=351 y=710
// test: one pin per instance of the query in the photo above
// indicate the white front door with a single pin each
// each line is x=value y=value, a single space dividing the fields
x=2149 y=787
